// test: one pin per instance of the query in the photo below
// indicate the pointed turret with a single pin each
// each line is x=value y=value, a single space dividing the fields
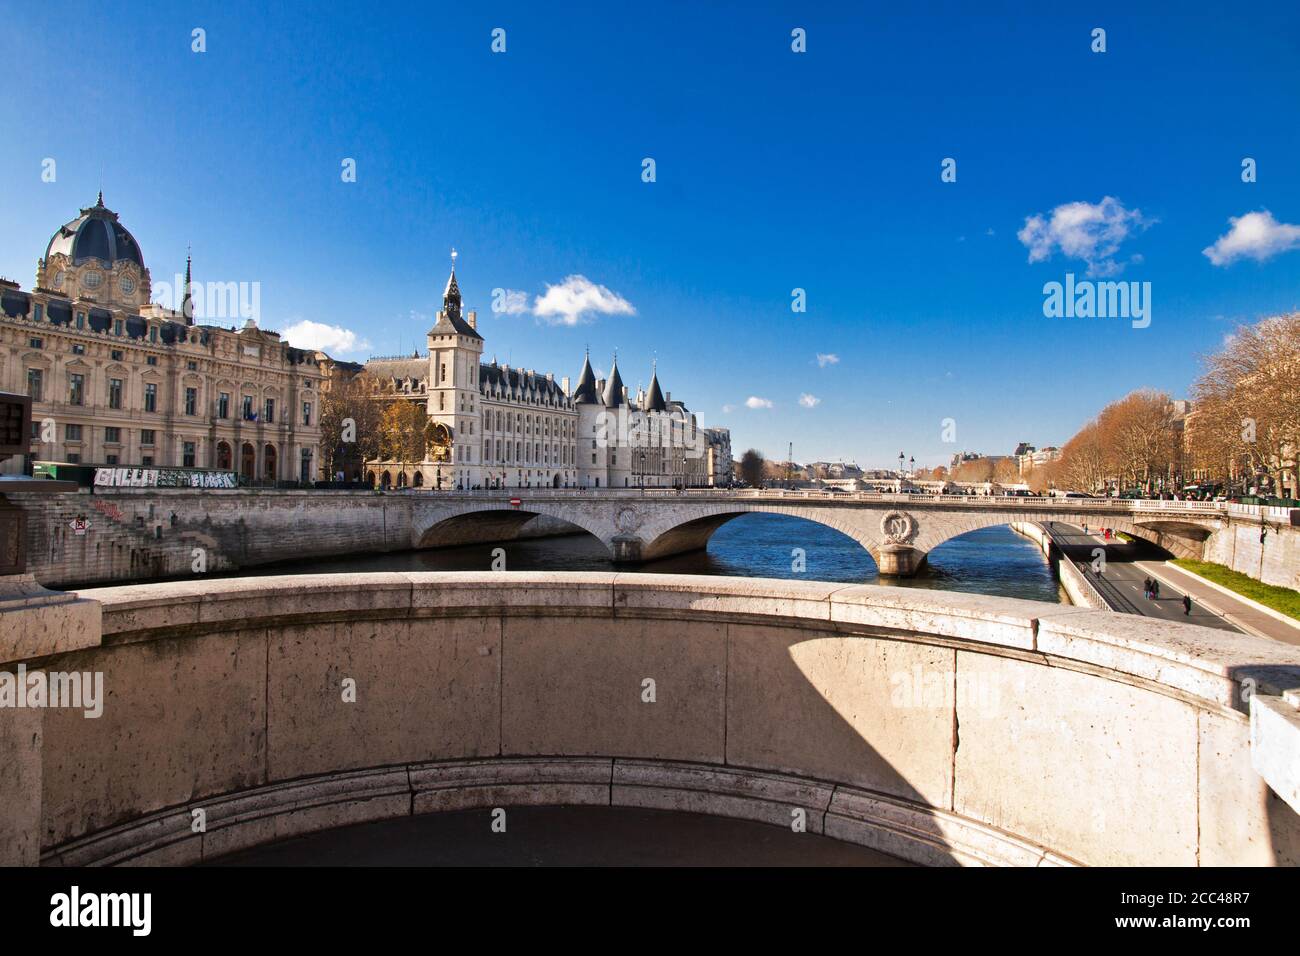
x=614 y=387
x=586 y=391
x=187 y=304
x=451 y=296
x=655 y=399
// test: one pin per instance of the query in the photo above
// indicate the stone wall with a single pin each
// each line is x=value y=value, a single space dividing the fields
x=1077 y=588
x=140 y=535
x=944 y=728
x=1275 y=560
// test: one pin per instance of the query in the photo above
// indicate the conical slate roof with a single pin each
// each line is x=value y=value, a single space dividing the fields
x=586 y=390
x=655 y=397
x=614 y=387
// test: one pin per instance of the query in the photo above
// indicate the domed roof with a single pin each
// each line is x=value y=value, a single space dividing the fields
x=95 y=234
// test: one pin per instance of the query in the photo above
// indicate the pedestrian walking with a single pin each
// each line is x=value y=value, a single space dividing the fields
x=1155 y=589
x=1187 y=605
x=1146 y=589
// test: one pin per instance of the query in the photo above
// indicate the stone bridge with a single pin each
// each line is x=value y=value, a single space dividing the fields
x=898 y=530
x=134 y=534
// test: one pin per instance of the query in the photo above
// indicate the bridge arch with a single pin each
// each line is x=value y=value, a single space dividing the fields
x=689 y=528
x=477 y=522
x=1184 y=539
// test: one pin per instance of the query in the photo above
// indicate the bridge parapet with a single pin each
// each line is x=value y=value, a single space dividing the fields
x=1086 y=737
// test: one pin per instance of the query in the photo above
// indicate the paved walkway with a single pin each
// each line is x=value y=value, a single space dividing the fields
x=1121 y=585
x=561 y=836
x=1245 y=617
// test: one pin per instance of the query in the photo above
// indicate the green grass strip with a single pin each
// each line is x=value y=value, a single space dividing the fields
x=1281 y=599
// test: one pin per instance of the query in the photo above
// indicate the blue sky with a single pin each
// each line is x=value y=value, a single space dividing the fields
x=775 y=171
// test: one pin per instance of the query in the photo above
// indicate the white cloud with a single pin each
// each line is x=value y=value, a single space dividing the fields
x=728 y=409
x=509 y=301
x=1092 y=232
x=1256 y=235
x=809 y=401
x=827 y=358
x=576 y=297
x=755 y=402
x=333 y=339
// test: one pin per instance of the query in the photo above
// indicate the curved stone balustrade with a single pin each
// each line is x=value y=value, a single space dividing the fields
x=936 y=726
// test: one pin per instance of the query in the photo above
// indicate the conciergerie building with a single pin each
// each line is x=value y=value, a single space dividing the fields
x=116 y=379
x=494 y=426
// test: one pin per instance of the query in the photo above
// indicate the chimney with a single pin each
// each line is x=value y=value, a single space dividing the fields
x=550 y=376
x=473 y=320
x=564 y=385
x=668 y=397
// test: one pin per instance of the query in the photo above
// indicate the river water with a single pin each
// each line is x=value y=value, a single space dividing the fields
x=993 y=561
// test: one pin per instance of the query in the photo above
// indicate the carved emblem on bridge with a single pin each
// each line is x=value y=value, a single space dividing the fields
x=628 y=521
x=897 y=527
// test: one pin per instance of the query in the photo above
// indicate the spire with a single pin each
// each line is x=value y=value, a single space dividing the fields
x=187 y=304
x=451 y=294
x=586 y=390
x=655 y=400
x=100 y=202
x=614 y=387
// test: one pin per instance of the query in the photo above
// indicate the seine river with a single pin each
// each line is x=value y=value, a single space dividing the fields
x=989 y=561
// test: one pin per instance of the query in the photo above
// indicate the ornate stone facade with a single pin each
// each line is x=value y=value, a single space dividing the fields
x=118 y=380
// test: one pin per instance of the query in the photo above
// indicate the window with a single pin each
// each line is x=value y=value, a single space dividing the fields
x=151 y=360
x=39 y=312
x=146 y=436
x=117 y=326
x=110 y=459
x=76 y=389
x=35 y=383
x=153 y=333
x=187 y=454
x=306 y=413
x=593 y=459
x=35 y=344
x=444 y=372
x=112 y=435
x=306 y=383
x=146 y=461
x=191 y=400
x=150 y=397
x=248 y=408
x=81 y=320
x=114 y=393
x=268 y=410
x=78 y=349
x=72 y=432
x=73 y=458
x=223 y=405
x=192 y=365
x=115 y=355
